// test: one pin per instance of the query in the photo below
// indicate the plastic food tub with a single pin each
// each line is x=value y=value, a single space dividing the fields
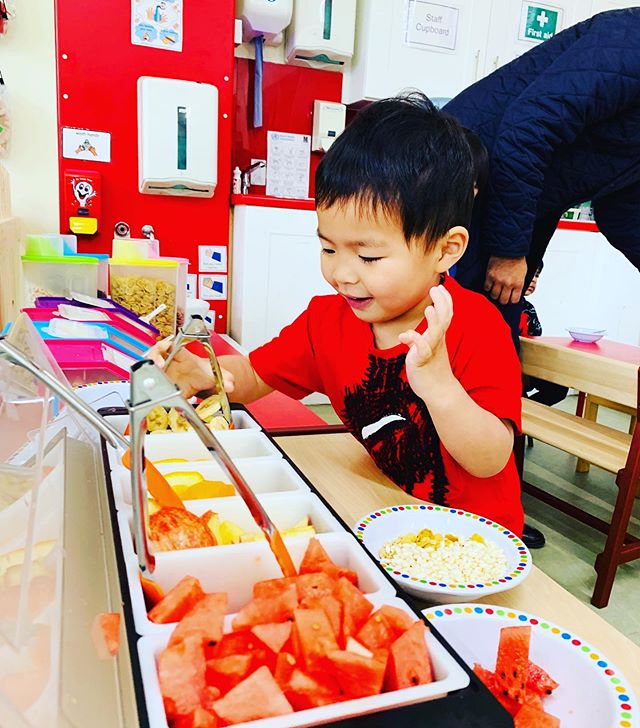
x=273 y=475
x=142 y=285
x=235 y=569
x=59 y=276
x=448 y=676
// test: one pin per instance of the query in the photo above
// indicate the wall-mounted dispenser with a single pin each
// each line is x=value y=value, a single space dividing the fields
x=328 y=123
x=264 y=17
x=321 y=33
x=177 y=137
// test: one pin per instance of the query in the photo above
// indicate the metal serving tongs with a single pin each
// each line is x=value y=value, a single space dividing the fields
x=157 y=483
x=196 y=330
x=150 y=388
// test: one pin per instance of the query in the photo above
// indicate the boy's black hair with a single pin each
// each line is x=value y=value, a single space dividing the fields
x=480 y=160
x=405 y=158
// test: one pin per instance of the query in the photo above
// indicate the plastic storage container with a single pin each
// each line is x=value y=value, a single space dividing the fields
x=142 y=285
x=50 y=244
x=135 y=248
x=181 y=290
x=59 y=276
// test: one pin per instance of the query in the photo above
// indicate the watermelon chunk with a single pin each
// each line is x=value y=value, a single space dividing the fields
x=274 y=636
x=530 y=717
x=314 y=637
x=489 y=679
x=285 y=665
x=512 y=663
x=357 y=676
x=317 y=559
x=204 y=621
x=409 y=663
x=332 y=607
x=105 y=632
x=384 y=627
x=356 y=607
x=177 y=601
x=539 y=681
x=263 y=610
x=181 y=669
x=305 y=691
x=200 y=718
x=314 y=586
x=258 y=696
x=209 y=696
x=272 y=587
x=225 y=673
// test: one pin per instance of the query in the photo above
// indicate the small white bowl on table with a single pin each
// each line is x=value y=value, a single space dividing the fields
x=586 y=336
x=389 y=523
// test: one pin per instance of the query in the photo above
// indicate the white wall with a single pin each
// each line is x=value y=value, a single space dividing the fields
x=588 y=283
x=28 y=65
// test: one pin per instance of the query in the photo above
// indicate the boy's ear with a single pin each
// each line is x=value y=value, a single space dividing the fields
x=452 y=246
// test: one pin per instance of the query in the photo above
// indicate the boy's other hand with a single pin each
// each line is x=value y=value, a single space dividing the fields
x=505 y=278
x=190 y=372
x=427 y=361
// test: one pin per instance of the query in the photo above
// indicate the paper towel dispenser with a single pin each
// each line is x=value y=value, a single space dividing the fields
x=264 y=17
x=321 y=33
x=177 y=137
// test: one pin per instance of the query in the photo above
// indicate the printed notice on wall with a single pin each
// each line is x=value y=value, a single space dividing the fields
x=157 y=23
x=288 y=160
x=432 y=25
x=86 y=144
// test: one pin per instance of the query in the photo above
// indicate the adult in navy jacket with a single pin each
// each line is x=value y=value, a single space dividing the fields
x=561 y=124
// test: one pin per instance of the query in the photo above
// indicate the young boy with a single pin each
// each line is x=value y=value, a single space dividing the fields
x=421 y=371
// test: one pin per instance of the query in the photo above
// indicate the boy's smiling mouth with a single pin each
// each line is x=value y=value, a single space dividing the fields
x=356 y=301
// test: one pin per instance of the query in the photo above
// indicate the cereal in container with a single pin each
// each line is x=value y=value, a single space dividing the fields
x=143 y=285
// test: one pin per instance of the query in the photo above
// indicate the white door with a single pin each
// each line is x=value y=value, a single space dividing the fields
x=517 y=26
x=275 y=263
x=436 y=47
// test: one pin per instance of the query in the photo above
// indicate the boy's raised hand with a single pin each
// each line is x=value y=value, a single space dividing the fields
x=190 y=372
x=427 y=361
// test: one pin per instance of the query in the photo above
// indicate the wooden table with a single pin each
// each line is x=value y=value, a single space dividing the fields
x=344 y=473
x=604 y=347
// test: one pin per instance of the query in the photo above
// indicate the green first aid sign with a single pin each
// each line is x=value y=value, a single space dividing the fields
x=539 y=23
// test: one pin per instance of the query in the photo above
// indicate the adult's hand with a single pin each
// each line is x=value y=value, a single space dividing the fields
x=505 y=278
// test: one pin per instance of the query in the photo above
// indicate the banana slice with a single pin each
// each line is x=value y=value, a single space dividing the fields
x=157 y=419
x=218 y=423
x=178 y=422
x=209 y=407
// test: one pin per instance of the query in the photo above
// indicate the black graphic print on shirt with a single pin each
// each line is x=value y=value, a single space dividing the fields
x=395 y=426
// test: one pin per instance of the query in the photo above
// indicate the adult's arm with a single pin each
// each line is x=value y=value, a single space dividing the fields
x=618 y=217
x=597 y=77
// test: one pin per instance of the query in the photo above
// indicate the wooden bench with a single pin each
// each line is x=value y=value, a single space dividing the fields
x=613 y=450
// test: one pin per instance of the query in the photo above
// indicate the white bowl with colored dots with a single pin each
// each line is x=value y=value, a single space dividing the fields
x=592 y=692
x=468 y=572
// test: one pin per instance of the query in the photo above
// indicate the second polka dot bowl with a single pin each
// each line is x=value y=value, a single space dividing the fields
x=389 y=523
x=592 y=692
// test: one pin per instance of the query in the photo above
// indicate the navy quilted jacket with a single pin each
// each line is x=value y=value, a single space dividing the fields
x=562 y=125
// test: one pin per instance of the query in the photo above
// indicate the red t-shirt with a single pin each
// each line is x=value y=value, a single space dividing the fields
x=328 y=349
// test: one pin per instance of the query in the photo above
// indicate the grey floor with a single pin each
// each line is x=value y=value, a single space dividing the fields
x=571 y=546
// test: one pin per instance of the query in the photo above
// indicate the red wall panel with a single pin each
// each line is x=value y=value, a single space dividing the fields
x=97 y=90
x=288 y=93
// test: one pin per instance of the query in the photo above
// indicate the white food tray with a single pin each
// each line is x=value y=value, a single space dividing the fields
x=264 y=475
x=448 y=675
x=235 y=569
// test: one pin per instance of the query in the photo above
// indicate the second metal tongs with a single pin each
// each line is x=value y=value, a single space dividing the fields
x=151 y=388
x=196 y=331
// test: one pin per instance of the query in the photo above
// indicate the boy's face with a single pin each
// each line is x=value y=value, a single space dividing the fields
x=532 y=285
x=366 y=259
